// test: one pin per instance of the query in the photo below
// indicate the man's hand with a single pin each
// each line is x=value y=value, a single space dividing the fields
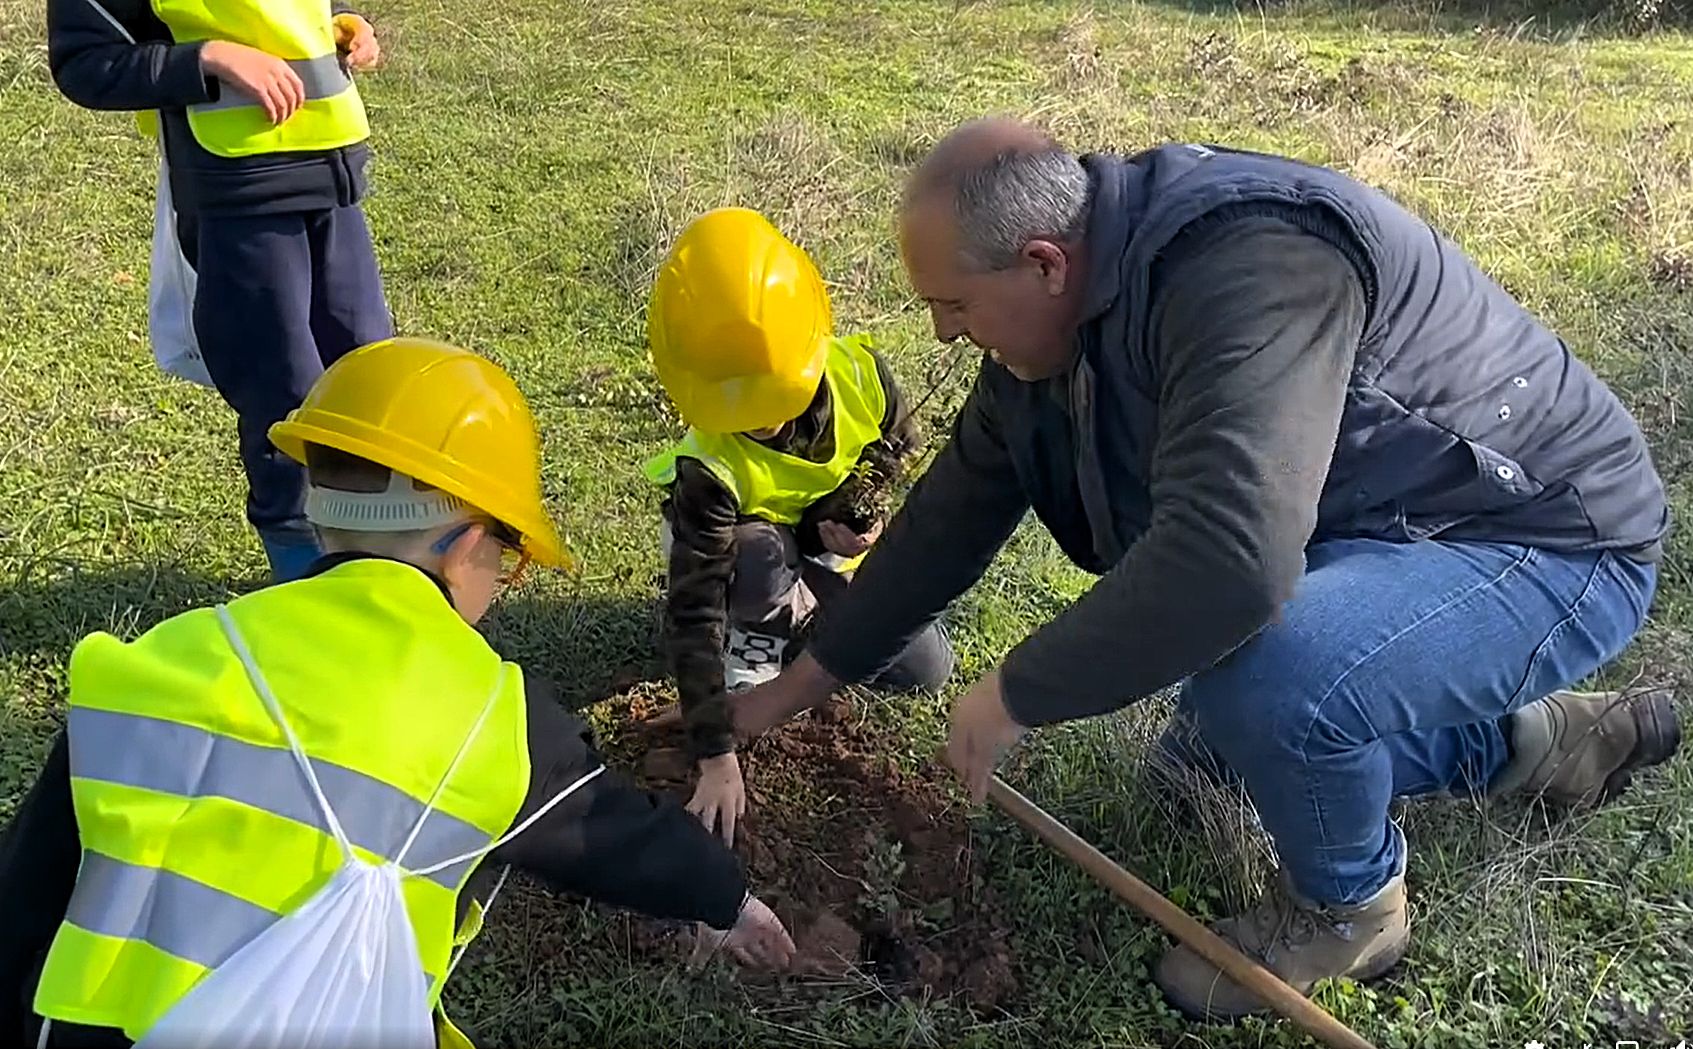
x=356 y=39
x=803 y=685
x=758 y=939
x=982 y=731
x=839 y=539
x=721 y=795
x=265 y=78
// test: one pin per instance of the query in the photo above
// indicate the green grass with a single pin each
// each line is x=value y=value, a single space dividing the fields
x=531 y=162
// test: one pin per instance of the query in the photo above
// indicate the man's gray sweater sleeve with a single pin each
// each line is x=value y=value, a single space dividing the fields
x=1255 y=328
x=938 y=544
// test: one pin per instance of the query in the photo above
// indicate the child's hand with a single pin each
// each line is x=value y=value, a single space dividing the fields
x=357 y=39
x=839 y=539
x=757 y=939
x=264 y=77
x=720 y=795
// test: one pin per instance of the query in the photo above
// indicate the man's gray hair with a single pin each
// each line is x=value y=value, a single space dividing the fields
x=1016 y=197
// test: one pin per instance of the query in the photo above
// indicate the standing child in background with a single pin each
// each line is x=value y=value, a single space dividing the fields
x=264 y=133
x=795 y=438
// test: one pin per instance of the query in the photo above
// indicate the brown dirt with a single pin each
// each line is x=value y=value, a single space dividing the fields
x=870 y=866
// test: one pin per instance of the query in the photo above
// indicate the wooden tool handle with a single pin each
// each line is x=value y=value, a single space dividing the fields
x=1269 y=988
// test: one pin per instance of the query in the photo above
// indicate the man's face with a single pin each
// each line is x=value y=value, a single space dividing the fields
x=1021 y=316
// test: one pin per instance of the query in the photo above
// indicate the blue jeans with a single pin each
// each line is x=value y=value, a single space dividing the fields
x=1390 y=674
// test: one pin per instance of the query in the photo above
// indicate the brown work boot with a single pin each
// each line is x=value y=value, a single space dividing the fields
x=1300 y=941
x=1581 y=748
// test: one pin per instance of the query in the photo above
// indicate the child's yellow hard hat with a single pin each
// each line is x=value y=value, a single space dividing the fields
x=738 y=323
x=438 y=414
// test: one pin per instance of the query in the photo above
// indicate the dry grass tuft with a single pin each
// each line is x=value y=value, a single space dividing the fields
x=1078 y=39
x=787 y=167
x=1203 y=801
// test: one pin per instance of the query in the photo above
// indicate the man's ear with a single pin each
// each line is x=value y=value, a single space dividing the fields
x=1053 y=263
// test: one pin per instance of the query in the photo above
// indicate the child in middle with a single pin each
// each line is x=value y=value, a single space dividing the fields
x=779 y=487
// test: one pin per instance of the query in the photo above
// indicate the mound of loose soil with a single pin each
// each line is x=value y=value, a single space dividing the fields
x=869 y=866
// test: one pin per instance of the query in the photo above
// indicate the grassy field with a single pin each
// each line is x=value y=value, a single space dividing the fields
x=532 y=162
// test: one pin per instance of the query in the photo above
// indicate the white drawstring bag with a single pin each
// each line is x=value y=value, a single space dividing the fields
x=171 y=281
x=171 y=285
x=343 y=970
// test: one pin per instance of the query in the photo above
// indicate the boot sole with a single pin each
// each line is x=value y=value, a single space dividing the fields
x=1657 y=730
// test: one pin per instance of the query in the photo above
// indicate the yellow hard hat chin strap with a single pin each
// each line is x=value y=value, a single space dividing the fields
x=399 y=508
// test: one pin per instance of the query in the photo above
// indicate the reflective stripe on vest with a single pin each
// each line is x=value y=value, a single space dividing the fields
x=189 y=762
x=323 y=77
x=301 y=33
x=779 y=487
x=176 y=914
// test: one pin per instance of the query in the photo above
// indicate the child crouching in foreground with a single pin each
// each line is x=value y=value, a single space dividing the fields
x=175 y=826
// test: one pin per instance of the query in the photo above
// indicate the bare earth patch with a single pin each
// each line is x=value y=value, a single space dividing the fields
x=870 y=866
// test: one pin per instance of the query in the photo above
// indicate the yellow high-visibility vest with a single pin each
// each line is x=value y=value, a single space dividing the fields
x=774 y=485
x=300 y=32
x=197 y=828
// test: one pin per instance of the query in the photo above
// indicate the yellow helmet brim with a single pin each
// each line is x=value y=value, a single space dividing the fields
x=440 y=415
